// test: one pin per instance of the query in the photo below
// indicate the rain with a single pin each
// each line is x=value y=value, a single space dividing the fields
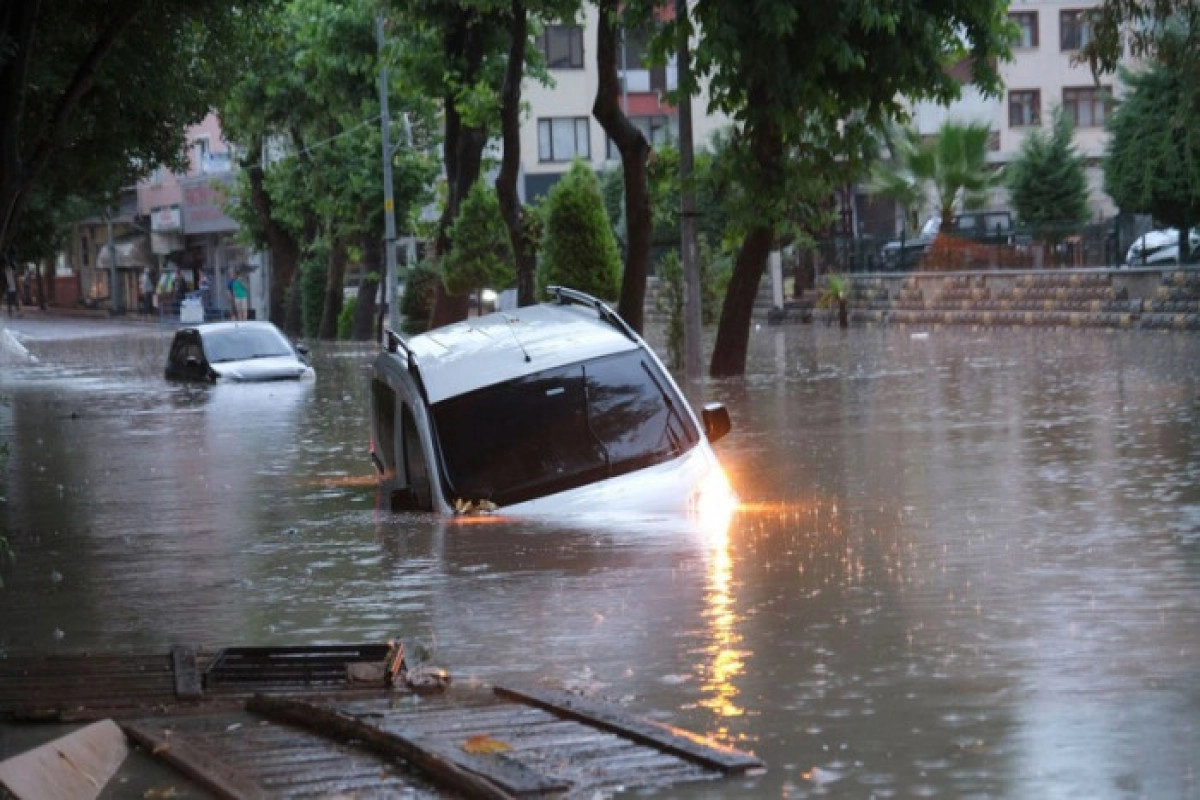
x=965 y=562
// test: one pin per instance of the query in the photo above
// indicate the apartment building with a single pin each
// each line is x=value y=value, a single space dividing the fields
x=561 y=128
x=1043 y=75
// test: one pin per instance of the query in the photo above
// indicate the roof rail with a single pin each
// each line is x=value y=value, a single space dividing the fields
x=394 y=343
x=563 y=296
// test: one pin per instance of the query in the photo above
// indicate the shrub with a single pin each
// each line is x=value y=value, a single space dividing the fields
x=480 y=252
x=578 y=246
x=345 y=323
x=416 y=304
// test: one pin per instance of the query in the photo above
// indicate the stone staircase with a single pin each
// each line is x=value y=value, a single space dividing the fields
x=1049 y=298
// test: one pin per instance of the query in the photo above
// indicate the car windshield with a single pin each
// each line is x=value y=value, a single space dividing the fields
x=239 y=344
x=559 y=429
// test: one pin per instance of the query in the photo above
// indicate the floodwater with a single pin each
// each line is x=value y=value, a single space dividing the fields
x=966 y=562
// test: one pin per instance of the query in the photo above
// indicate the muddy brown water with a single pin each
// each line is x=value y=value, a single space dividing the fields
x=966 y=562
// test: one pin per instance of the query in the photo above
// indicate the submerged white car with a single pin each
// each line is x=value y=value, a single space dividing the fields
x=235 y=352
x=554 y=408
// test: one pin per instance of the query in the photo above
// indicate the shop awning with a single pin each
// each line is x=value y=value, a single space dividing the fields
x=133 y=252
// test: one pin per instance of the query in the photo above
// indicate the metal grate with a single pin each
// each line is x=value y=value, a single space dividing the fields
x=316 y=664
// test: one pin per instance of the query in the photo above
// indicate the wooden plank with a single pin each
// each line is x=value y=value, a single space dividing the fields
x=664 y=737
x=77 y=766
x=187 y=676
x=477 y=776
x=194 y=761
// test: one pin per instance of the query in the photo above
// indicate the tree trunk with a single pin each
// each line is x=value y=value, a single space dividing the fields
x=635 y=152
x=463 y=151
x=285 y=250
x=510 y=164
x=363 y=328
x=335 y=276
x=733 y=331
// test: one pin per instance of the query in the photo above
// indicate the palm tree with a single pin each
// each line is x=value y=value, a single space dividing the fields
x=952 y=165
x=960 y=172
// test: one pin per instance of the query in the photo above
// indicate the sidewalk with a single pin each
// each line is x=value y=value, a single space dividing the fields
x=74 y=323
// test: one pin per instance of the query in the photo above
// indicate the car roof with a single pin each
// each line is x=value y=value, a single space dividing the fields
x=497 y=347
x=218 y=327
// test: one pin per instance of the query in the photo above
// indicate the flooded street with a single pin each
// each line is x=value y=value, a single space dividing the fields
x=966 y=563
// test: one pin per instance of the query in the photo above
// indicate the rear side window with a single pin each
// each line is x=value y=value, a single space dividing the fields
x=559 y=429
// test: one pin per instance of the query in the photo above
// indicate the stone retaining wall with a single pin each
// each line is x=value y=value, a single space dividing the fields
x=1102 y=298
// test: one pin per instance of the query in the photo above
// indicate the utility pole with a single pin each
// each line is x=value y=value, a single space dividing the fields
x=692 y=321
x=389 y=203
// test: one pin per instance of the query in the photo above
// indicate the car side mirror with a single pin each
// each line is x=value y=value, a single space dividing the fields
x=716 y=421
x=302 y=349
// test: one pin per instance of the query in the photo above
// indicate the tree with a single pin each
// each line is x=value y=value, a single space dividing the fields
x=304 y=108
x=1163 y=30
x=1047 y=183
x=70 y=116
x=954 y=164
x=578 y=247
x=480 y=253
x=815 y=79
x=1152 y=161
x=635 y=153
x=901 y=176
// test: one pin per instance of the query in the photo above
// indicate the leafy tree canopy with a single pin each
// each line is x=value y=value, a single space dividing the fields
x=1164 y=30
x=1152 y=162
x=96 y=95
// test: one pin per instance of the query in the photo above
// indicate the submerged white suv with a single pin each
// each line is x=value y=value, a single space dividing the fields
x=554 y=408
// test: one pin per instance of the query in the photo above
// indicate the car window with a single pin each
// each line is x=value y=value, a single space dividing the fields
x=558 y=429
x=239 y=344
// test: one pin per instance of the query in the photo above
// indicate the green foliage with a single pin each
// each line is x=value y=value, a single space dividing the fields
x=714 y=269
x=897 y=178
x=1047 y=183
x=670 y=300
x=835 y=291
x=480 y=253
x=578 y=246
x=306 y=97
x=416 y=304
x=1152 y=162
x=313 y=279
x=1164 y=30
x=107 y=93
x=345 y=323
x=952 y=165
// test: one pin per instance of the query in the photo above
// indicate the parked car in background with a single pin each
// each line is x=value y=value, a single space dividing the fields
x=992 y=227
x=905 y=253
x=235 y=352
x=1159 y=247
x=556 y=408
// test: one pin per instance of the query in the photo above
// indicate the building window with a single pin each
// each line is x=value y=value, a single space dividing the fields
x=1024 y=108
x=200 y=154
x=563 y=139
x=658 y=129
x=1086 y=105
x=1073 y=29
x=562 y=45
x=1027 y=23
